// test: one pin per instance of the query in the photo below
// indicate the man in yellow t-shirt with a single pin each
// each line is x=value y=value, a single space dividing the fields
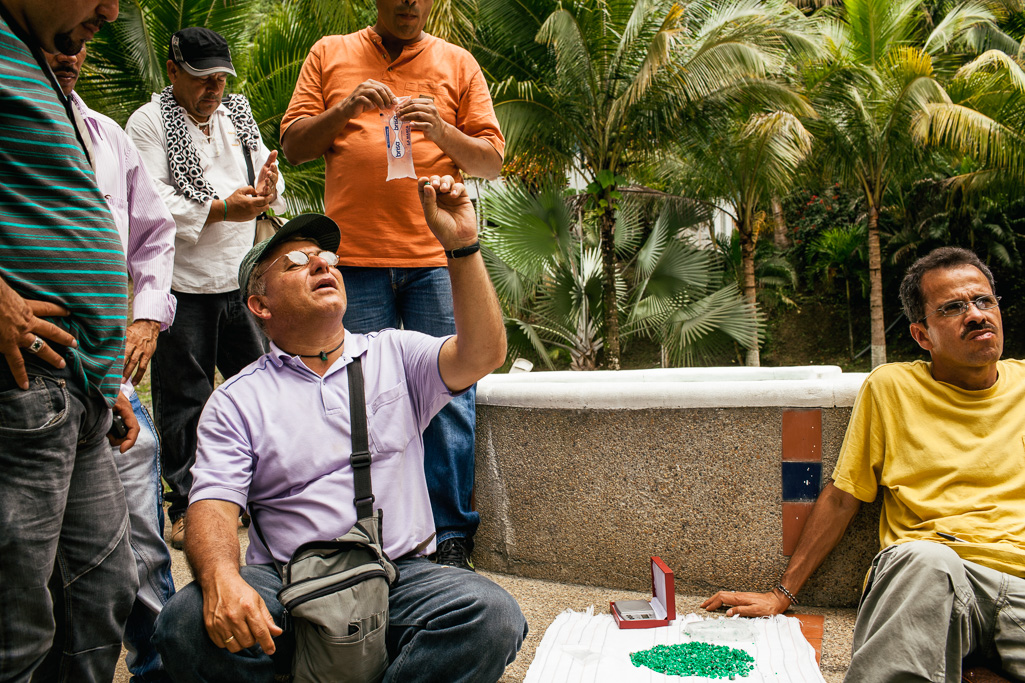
x=945 y=442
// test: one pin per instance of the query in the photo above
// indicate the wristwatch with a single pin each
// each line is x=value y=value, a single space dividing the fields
x=463 y=251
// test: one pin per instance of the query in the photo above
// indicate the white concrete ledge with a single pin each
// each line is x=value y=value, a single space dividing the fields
x=795 y=387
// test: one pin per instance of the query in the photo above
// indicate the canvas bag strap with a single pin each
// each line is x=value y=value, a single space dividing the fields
x=360 y=460
x=226 y=101
x=248 y=156
x=252 y=518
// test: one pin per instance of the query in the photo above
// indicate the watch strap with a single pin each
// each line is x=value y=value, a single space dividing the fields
x=463 y=251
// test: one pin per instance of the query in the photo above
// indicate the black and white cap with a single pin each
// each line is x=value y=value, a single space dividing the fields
x=201 y=52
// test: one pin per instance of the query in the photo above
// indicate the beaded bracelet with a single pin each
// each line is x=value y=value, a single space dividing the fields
x=790 y=596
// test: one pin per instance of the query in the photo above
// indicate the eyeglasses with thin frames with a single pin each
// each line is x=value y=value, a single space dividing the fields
x=953 y=309
x=299 y=259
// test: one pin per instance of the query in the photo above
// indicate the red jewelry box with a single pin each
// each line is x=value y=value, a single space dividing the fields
x=662 y=606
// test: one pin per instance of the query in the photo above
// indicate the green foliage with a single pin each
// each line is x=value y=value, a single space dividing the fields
x=128 y=58
x=916 y=107
x=811 y=212
x=991 y=226
x=544 y=261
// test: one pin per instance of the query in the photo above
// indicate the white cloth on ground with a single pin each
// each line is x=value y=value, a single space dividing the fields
x=580 y=647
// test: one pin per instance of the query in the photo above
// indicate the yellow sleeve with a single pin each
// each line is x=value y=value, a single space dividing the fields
x=861 y=458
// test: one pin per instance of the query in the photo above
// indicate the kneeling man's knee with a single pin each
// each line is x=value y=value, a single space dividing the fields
x=504 y=619
x=179 y=624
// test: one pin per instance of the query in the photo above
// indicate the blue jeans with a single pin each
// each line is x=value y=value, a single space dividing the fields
x=420 y=299
x=209 y=331
x=445 y=624
x=67 y=579
x=139 y=469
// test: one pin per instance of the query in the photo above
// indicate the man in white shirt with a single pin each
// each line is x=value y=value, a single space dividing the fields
x=216 y=176
x=147 y=235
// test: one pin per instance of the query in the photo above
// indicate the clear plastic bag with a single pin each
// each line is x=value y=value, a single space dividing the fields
x=399 y=144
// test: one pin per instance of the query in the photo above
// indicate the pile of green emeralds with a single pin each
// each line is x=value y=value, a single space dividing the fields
x=696 y=659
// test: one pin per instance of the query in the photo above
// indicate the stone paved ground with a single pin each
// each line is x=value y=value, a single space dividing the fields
x=542 y=601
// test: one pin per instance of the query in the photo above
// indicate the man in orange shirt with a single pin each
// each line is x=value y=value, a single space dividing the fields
x=394 y=267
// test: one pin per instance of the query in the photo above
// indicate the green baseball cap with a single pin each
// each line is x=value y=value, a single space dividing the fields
x=314 y=226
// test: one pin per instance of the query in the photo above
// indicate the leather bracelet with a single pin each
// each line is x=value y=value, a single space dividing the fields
x=463 y=251
x=789 y=596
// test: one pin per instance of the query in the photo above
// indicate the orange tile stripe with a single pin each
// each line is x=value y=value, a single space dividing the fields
x=802 y=435
x=812 y=626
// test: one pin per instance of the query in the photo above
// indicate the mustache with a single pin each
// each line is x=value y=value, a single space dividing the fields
x=97 y=21
x=70 y=71
x=976 y=327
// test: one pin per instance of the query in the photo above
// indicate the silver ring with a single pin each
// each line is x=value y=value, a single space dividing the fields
x=36 y=345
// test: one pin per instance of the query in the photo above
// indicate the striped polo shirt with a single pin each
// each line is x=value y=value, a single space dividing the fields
x=58 y=241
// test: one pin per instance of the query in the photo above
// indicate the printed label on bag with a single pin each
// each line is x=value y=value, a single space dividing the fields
x=398 y=140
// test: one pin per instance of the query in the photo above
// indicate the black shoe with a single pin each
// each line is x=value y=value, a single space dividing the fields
x=455 y=552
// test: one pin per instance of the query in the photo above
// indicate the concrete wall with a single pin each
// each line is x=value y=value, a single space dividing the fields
x=582 y=482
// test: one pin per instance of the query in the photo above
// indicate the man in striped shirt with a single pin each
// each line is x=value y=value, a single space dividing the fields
x=147 y=235
x=67 y=576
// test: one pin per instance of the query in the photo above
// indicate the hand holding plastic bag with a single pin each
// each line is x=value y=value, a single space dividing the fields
x=399 y=143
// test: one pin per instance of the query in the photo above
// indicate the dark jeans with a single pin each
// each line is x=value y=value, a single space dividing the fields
x=420 y=299
x=445 y=624
x=67 y=574
x=209 y=331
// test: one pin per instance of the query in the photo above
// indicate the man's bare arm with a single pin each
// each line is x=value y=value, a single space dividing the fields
x=479 y=345
x=829 y=519
x=310 y=138
x=235 y=615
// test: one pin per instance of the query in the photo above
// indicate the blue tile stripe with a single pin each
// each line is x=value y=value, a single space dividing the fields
x=801 y=480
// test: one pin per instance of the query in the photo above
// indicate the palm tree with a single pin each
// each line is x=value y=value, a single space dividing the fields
x=876 y=80
x=743 y=161
x=984 y=119
x=601 y=85
x=837 y=252
x=546 y=266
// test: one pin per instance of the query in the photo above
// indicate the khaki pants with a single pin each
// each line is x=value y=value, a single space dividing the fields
x=925 y=609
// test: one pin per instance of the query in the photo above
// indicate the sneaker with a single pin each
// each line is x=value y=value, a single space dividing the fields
x=455 y=552
x=178 y=534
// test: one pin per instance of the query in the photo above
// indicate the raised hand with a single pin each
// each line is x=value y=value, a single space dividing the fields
x=267 y=180
x=448 y=211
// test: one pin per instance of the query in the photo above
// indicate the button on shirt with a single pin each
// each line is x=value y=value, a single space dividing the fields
x=206 y=258
x=278 y=435
x=134 y=203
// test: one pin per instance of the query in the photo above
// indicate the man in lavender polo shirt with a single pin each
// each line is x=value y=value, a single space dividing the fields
x=276 y=437
x=147 y=234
